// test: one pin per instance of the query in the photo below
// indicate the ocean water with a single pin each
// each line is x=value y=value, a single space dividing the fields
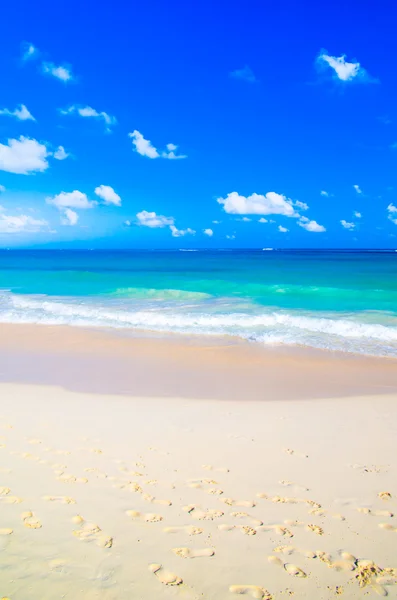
x=338 y=300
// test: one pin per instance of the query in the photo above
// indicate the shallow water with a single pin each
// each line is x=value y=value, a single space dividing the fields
x=335 y=300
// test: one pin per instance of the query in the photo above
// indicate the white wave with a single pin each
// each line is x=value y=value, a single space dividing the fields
x=339 y=327
x=267 y=327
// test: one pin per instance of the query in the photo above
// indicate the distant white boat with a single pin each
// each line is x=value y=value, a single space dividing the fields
x=267 y=249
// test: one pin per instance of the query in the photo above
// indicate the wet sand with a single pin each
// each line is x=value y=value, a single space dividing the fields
x=109 y=362
x=113 y=496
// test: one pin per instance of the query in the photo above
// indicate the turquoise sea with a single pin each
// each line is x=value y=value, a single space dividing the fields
x=336 y=300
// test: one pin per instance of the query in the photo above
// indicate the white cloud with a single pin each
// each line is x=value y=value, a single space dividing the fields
x=23 y=156
x=231 y=237
x=66 y=201
x=344 y=70
x=311 y=226
x=392 y=210
x=29 y=51
x=151 y=219
x=282 y=229
x=90 y=113
x=171 y=152
x=246 y=74
x=181 y=232
x=358 y=189
x=60 y=153
x=127 y=223
x=257 y=204
x=20 y=224
x=142 y=146
x=357 y=214
x=59 y=72
x=216 y=222
x=20 y=112
x=324 y=193
x=2 y=189
x=108 y=195
x=347 y=225
x=244 y=219
x=262 y=220
x=145 y=147
x=70 y=217
x=302 y=205
x=208 y=232
x=73 y=199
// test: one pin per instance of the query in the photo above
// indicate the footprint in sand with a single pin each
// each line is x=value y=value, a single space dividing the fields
x=188 y=529
x=247 y=530
x=255 y=591
x=148 y=517
x=243 y=503
x=11 y=500
x=294 y=570
x=317 y=512
x=90 y=532
x=313 y=504
x=154 y=500
x=243 y=515
x=132 y=486
x=191 y=553
x=388 y=527
x=299 y=487
x=61 y=499
x=30 y=520
x=6 y=531
x=284 y=550
x=280 y=530
x=208 y=514
x=4 y=491
x=65 y=478
x=77 y=520
x=225 y=527
x=342 y=565
x=276 y=561
x=214 y=492
x=217 y=469
x=315 y=529
x=199 y=483
x=375 y=513
x=165 y=577
x=293 y=523
x=384 y=495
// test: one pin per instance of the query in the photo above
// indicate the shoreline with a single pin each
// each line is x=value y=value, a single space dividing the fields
x=103 y=361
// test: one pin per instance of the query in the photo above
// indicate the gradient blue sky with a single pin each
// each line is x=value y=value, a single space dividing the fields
x=247 y=92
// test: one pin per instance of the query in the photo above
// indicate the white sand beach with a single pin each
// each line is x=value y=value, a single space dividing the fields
x=125 y=496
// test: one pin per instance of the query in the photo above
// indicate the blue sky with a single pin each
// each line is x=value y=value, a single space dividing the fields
x=174 y=124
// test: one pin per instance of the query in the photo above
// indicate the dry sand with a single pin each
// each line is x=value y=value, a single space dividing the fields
x=113 y=497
